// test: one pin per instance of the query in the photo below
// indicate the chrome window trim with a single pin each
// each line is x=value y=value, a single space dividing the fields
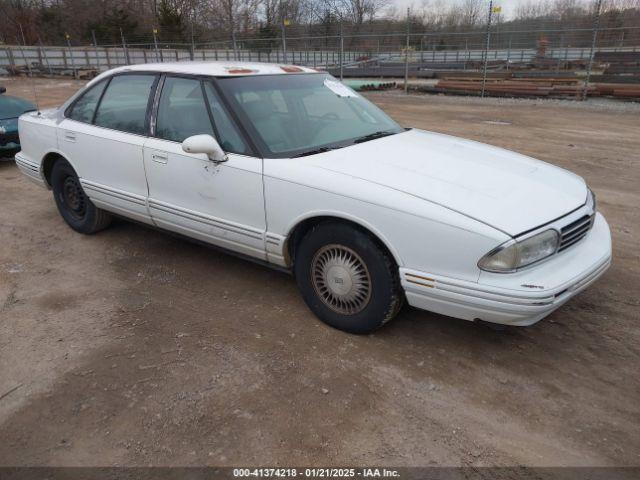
x=153 y=115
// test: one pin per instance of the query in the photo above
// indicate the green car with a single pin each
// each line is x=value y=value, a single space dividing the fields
x=10 y=109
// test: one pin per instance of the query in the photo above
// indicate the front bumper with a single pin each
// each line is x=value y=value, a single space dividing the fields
x=9 y=142
x=521 y=298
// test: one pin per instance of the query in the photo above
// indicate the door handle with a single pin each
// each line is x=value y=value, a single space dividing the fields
x=70 y=136
x=157 y=157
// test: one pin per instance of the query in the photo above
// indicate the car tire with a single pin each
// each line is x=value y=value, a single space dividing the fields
x=73 y=204
x=346 y=278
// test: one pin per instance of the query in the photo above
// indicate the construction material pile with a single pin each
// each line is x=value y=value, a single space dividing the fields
x=566 y=87
x=512 y=87
x=617 y=74
x=35 y=68
x=370 y=85
x=619 y=63
x=618 y=90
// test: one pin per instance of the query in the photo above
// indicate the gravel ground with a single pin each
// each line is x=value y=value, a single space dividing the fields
x=133 y=347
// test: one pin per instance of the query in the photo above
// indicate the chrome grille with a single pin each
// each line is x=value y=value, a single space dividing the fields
x=575 y=231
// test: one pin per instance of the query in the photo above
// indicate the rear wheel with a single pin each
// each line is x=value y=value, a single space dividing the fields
x=73 y=204
x=346 y=278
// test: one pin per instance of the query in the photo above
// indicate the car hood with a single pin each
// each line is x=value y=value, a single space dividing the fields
x=508 y=191
x=13 y=107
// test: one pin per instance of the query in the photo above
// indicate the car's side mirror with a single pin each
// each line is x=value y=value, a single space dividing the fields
x=2 y=89
x=205 y=144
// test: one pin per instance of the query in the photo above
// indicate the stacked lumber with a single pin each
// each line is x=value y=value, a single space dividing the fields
x=615 y=79
x=515 y=87
x=622 y=69
x=543 y=74
x=379 y=72
x=42 y=70
x=471 y=75
x=617 y=57
x=540 y=81
x=618 y=90
x=622 y=64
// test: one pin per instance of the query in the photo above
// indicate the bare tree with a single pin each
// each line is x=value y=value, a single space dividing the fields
x=356 y=11
x=470 y=12
x=533 y=9
x=271 y=9
x=232 y=16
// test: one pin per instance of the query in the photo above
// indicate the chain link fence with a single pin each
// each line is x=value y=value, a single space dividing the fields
x=348 y=53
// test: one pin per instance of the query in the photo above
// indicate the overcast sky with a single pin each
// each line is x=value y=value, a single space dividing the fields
x=508 y=6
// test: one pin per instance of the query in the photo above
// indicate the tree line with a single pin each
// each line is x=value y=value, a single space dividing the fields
x=259 y=24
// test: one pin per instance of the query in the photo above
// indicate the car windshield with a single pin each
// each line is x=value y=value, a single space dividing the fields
x=303 y=114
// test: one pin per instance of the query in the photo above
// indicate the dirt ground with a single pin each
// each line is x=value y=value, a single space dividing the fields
x=133 y=347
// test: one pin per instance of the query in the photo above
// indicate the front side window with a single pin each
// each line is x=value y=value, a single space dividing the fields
x=124 y=104
x=84 y=108
x=182 y=111
x=294 y=115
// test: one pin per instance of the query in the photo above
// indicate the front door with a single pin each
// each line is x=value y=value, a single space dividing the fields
x=221 y=203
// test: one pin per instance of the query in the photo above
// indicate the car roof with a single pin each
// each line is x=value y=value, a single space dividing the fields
x=214 y=69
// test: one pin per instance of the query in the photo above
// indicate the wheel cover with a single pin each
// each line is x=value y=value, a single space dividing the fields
x=341 y=279
x=73 y=197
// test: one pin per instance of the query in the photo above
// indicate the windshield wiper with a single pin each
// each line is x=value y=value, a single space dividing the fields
x=313 y=152
x=373 y=136
x=366 y=138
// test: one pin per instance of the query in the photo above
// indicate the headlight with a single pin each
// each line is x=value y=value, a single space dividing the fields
x=513 y=255
x=591 y=199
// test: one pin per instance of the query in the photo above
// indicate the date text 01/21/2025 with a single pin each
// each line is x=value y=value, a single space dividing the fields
x=315 y=473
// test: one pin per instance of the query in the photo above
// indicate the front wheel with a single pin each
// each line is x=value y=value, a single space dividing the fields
x=346 y=278
x=73 y=204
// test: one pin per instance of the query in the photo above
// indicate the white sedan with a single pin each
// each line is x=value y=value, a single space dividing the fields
x=290 y=167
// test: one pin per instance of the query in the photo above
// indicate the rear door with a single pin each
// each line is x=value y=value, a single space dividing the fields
x=220 y=203
x=103 y=135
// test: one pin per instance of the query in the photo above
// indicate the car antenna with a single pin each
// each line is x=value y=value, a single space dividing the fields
x=33 y=80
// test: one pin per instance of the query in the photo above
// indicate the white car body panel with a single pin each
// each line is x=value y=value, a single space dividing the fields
x=506 y=190
x=38 y=133
x=438 y=203
x=217 y=203
x=521 y=298
x=109 y=164
x=415 y=231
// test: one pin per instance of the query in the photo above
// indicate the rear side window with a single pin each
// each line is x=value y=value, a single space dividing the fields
x=182 y=111
x=84 y=108
x=124 y=104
